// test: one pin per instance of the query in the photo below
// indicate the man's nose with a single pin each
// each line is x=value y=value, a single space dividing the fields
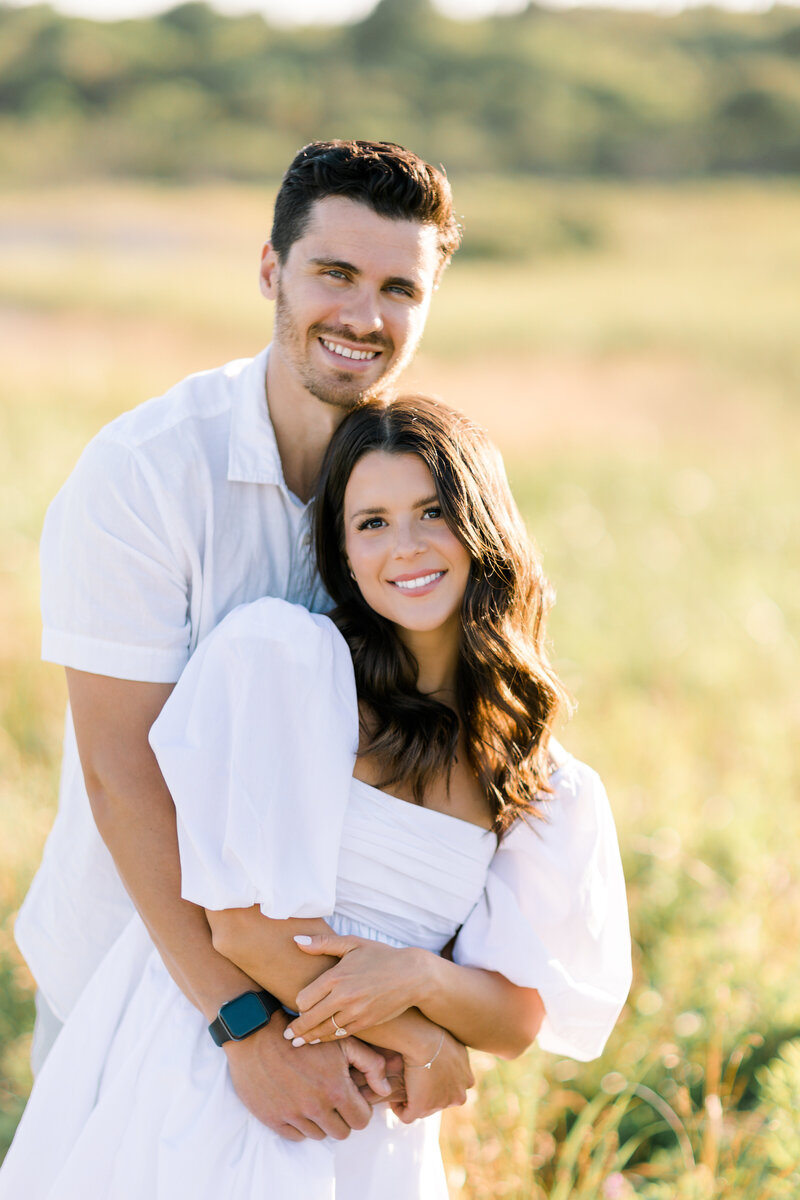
x=361 y=312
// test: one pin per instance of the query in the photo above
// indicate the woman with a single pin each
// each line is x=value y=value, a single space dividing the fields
x=388 y=770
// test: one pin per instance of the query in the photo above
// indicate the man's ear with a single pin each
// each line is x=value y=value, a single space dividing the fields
x=268 y=272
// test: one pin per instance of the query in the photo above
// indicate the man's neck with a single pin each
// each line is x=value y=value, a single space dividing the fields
x=303 y=426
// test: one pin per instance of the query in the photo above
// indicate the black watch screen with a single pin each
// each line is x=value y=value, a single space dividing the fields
x=244 y=1015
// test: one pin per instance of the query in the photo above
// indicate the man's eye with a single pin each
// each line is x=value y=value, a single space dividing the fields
x=334 y=273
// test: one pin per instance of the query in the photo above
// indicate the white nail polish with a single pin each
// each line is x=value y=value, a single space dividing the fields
x=302 y=939
x=288 y=1033
x=315 y=1042
x=299 y=1041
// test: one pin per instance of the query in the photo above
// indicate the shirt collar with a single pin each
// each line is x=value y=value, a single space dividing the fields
x=253 y=455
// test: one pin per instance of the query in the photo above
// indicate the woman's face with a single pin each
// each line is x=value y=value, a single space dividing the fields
x=410 y=567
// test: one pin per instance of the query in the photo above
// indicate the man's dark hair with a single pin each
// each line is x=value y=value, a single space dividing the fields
x=394 y=182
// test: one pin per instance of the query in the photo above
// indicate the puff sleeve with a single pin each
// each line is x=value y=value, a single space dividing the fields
x=257 y=744
x=554 y=916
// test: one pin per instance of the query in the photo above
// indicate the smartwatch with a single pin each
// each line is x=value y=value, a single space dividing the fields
x=242 y=1016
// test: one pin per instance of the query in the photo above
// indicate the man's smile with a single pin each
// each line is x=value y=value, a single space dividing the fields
x=349 y=352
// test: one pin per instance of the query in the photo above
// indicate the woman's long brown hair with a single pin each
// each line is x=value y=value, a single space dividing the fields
x=507 y=692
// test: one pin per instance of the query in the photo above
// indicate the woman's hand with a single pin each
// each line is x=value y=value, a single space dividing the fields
x=373 y=983
x=441 y=1085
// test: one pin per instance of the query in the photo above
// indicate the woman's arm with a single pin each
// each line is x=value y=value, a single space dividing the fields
x=372 y=982
x=246 y=936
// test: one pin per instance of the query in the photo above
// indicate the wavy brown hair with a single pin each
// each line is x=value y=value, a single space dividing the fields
x=507 y=692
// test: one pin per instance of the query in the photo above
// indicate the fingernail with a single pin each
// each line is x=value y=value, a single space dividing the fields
x=302 y=940
x=288 y=1033
x=315 y=1042
x=299 y=1042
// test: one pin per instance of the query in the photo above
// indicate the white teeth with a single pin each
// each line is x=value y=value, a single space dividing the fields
x=345 y=352
x=409 y=585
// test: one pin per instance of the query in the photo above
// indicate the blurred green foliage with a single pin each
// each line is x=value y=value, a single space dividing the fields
x=194 y=95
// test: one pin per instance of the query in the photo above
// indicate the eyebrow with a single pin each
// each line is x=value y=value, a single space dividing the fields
x=342 y=265
x=378 y=512
x=335 y=262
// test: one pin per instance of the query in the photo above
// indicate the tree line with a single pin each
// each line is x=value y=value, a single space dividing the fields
x=192 y=94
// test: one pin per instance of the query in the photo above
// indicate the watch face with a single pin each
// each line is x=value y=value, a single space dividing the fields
x=244 y=1015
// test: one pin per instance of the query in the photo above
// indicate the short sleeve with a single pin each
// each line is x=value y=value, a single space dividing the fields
x=554 y=915
x=115 y=572
x=257 y=745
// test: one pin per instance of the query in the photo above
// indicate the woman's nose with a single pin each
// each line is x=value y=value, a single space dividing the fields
x=409 y=541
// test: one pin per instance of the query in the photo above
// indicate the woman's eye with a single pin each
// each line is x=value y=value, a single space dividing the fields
x=431 y=514
x=371 y=523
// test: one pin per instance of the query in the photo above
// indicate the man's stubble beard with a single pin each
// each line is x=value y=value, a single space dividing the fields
x=344 y=396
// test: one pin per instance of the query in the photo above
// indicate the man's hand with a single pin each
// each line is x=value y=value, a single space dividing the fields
x=305 y=1092
x=394 y=1076
x=443 y=1085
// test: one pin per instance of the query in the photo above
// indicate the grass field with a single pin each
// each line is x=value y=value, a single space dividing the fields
x=640 y=367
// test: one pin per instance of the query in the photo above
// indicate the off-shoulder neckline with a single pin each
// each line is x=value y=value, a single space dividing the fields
x=435 y=812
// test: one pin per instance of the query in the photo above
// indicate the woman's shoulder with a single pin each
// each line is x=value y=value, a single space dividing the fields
x=575 y=807
x=275 y=643
x=273 y=622
x=570 y=777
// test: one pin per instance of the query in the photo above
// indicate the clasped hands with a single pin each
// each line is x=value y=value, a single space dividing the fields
x=371 y=985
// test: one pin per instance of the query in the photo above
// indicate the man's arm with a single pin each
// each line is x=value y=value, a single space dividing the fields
x=256 y=943
x=136 y=818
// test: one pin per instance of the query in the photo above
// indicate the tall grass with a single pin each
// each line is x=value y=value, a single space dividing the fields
x=640 y=367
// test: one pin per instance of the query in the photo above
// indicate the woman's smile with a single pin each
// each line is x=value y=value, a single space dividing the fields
x=418 y=584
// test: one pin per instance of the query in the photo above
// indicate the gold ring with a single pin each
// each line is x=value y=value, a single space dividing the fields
x=339 y=1031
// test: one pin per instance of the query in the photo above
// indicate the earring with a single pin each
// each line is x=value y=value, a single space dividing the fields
x=352 y=573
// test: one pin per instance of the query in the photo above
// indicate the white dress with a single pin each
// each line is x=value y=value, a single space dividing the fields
x=257 y=744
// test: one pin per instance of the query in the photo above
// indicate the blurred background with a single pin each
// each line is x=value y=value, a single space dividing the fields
x=623 y=316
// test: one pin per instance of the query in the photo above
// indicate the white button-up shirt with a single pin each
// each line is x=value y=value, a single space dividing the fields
x=175 y=513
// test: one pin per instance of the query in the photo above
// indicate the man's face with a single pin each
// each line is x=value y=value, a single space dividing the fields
x=351 y=299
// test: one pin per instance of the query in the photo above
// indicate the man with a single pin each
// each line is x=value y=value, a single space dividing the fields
x=177 y=512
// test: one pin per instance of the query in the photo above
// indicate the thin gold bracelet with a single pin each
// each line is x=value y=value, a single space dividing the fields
x=427 y=1066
